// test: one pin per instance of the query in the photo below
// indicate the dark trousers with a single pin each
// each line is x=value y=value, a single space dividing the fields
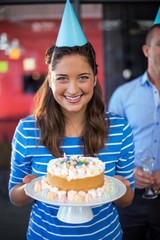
x=141 y=220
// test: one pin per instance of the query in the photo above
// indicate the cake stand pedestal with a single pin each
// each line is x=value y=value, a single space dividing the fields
x=75 y=214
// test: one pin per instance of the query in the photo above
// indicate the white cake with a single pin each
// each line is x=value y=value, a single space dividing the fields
x=77 y=173
x=77 y=179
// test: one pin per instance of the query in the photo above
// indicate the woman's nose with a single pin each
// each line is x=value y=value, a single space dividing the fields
x=72 y=87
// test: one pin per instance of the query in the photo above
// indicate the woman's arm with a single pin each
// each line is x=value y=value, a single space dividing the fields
x=127 y=198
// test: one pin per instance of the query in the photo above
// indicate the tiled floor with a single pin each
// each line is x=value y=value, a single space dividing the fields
x=13 y=220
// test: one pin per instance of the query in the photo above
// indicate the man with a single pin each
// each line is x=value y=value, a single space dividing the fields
x=139 y=102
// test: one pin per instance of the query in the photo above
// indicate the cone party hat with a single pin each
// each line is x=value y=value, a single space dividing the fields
x=157 y=19
x=70 y=32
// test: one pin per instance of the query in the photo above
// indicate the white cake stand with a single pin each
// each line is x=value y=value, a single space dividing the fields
x=75 y=213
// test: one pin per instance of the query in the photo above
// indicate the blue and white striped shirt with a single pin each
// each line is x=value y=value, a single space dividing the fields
x=28 y=156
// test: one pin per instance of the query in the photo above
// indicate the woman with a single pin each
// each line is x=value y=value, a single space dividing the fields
x=69 y=118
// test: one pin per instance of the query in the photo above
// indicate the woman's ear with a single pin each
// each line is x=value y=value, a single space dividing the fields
x=49 y=83
x=50 y=73
x=95 y=80
x=50 y=80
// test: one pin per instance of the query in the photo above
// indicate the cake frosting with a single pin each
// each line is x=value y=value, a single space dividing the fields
x=77 y=179
x=76 y=173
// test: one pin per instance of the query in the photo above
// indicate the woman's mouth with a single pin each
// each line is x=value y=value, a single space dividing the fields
x=73 y=99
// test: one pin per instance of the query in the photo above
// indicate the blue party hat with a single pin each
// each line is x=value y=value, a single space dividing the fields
x=70 y=32
x=157 y=19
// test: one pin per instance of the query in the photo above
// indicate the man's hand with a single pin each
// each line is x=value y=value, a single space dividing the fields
x=142 y=179
x=156 y=184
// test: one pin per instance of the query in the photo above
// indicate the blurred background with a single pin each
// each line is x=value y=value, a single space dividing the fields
x=27 y=28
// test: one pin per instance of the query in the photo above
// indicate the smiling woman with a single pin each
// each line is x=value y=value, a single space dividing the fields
x=69 y=119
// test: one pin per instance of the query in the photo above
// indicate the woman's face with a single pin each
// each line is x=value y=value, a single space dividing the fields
x=72 y=83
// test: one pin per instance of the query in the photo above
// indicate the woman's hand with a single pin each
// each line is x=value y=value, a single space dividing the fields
x=122 y=179
x=17 y=194
x=127 y=198
x=29 y=178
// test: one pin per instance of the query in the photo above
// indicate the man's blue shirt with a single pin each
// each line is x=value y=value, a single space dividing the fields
x=139 y=102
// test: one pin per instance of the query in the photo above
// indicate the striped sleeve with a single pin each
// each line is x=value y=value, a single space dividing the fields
x=20 y=162
x=125 y=165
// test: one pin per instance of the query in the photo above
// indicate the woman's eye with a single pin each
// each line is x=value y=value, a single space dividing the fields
x=83 y=78
x=61 y=78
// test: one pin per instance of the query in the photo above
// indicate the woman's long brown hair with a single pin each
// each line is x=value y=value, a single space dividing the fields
x=49 y=115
